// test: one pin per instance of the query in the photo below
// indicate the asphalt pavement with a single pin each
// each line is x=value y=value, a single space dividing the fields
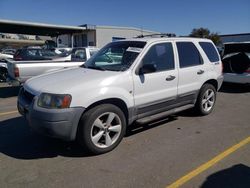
x=158 y=154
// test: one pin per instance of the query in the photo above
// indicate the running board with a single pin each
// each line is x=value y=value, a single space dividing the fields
x=163 y=114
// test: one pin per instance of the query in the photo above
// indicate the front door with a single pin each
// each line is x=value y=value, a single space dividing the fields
x=155 y=91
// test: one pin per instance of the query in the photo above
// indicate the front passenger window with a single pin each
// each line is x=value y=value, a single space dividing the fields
x=161 y=55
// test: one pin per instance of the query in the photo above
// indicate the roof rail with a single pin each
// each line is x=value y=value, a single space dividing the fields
x=161 y=35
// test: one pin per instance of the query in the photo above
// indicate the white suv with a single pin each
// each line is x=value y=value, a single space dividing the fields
x=126 y=81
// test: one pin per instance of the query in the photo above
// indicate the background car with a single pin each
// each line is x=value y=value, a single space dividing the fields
x=3 y=71
x=20 y=71
x=236 y=62
x=7 y=53
x=76 y=54
x=62 y=50
x=33 y=53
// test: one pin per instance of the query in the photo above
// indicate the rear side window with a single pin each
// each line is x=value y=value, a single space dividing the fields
x=33 y=52
x=79 y=55
x=210 y=51
x=188 y=54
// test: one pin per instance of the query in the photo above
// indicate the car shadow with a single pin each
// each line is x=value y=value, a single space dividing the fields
x=7 y=91
x=234 y=88
x=233 y=177
x=136 y=128
x=18 y=141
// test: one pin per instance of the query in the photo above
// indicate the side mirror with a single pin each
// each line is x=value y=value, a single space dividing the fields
x=147 y=68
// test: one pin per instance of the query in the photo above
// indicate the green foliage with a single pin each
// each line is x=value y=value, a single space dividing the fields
x=205 y=33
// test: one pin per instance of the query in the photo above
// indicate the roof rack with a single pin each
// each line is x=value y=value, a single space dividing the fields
x=161 y=35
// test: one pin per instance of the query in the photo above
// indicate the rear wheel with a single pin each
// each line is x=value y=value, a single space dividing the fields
x=206 y=99
x=3 y=74
x=102 y=128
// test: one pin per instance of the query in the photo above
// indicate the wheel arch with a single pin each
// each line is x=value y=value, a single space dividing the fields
x=115 y=101
x=4 y=68
x=212 y=82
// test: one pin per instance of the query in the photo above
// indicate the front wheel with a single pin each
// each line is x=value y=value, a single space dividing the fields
x=206 y=99
x=102 y=128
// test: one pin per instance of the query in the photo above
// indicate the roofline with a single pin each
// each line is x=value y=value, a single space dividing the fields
x=239 y=34
x=82 y=27
x=37 y=24
x=148 y=39
x=127 y=28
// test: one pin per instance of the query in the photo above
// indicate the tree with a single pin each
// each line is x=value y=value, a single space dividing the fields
x=205 y=33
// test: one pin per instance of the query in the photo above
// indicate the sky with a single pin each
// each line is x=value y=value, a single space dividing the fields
x=176 y=16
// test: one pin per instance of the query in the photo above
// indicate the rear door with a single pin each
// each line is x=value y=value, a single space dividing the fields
x=191 y=70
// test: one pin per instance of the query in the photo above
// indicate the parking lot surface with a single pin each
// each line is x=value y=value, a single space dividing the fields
x=158 y=154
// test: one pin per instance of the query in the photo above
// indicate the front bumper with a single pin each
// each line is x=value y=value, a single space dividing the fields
x=57 y=123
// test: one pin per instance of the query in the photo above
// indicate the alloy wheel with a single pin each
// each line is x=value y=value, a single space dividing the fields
x=208 y=100
x=106 y=130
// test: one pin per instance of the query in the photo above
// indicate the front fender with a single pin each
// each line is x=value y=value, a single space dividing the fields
x=88 y=98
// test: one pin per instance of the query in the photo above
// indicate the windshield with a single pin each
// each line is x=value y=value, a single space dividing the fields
x=116 y=56
x=65 y=53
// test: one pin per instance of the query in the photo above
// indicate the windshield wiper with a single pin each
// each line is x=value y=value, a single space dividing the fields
x=93 y=67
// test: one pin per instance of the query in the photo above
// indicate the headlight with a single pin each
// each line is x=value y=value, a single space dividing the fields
x=47 y=100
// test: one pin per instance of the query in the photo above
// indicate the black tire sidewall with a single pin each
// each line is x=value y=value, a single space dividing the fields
x=3 y=74
x=85 y=125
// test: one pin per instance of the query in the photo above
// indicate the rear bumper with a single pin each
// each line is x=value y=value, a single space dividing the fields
x=237 y=78
x=220 y=81
x=57 y=123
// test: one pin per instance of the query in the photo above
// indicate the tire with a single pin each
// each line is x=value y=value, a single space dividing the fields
x=3 y=74
x=96 y=134
x=206 y=100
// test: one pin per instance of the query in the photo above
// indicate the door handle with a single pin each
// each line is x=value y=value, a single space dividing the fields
x=200 y=72
x=170 y=77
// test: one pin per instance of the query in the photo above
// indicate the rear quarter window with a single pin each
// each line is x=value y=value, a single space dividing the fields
x=210 y=51
x=188 y=54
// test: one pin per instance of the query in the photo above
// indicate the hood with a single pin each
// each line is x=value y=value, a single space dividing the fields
x=64 y=81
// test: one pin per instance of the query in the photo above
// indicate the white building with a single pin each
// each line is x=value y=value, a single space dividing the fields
x=69 y=36
x=101 y=35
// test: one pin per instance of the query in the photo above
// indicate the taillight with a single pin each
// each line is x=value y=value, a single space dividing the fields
x=16 y=72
